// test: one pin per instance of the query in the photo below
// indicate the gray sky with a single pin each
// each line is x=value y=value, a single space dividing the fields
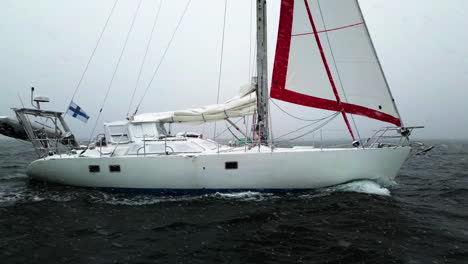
x=422 y=45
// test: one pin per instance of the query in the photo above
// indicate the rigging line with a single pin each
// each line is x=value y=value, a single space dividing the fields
x=254 y=59
x=94 y=51
x=326 y=66
x=246 y=123
x=221 y=59
x=332 y=116
x=19 y=97
x=311 y=131
x=234 y=135
x=298 y=118
x=336 y=67
x=116 y=67
x=163 y=56
x=250 y=41
x=222 y=132
x=271 y=138
x=328 y=30
x=144 y=57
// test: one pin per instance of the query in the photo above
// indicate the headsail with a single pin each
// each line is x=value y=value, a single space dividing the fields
x=325 y=59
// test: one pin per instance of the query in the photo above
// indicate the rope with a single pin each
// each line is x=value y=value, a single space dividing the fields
x=163 y=56
x=92 y=54
x=330 y=118
x=271 y=126
x=336 y=68
x=116 y=68
x=232 y=133
x=254 y=59
x=144 y=57
x=221 y=59
x=226 y=129
x=298 y=118
x=250 y=42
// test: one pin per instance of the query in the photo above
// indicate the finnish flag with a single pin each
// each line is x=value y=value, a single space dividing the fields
x=76 y=111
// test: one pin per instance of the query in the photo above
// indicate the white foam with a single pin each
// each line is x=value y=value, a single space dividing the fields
x=136 y=200
x=139 y=200
x=6 y=197
x=21 y=194
x=247 y=196
x=364 y=186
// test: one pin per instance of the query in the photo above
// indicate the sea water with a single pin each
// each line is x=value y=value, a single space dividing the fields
x=421 y=218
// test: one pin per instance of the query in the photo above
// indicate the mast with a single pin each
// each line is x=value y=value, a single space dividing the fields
x=262 y=73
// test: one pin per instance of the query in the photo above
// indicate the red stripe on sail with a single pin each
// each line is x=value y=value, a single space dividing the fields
x=322 y=53
x=283 y=45
x=311 y=101
x=325 y=64
x=348 y=125
x=328 y=30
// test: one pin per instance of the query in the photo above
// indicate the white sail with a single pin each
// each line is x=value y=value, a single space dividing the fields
x=239 y=106
x=325 y=59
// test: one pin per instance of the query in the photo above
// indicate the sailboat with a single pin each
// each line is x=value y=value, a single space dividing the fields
x=324 y=59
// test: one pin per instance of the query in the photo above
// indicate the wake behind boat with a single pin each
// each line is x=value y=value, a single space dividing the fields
x=318 y=63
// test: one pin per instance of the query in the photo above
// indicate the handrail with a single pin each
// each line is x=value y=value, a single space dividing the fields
x=381 y=134
x=163 y=153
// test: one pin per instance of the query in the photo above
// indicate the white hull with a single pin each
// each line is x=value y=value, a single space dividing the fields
x=282 y=169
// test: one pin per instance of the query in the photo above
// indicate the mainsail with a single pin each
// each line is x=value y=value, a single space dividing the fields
x=325 y=59
x=239 y=106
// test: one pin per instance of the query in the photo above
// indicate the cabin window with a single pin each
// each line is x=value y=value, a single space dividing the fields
x=114 y=168
x=118 y=133
x=144 y=130
x=94 y=168
x=230 y=165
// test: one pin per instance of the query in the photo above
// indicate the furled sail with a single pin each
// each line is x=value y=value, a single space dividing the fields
x=243 y=104
x=325 y=59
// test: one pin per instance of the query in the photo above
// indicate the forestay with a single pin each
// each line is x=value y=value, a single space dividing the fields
x=239 y=106
x=325 y=59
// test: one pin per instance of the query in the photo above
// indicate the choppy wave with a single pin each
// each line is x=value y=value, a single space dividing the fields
x=135 y=200
x=364 y=186
x=13 y=176
x=246 y=196
x=329 y=225
x=13 y=196
x=23 y=194
x=138 y=200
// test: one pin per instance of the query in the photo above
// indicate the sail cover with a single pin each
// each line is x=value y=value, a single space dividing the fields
x=243 y=104
x=325 y=59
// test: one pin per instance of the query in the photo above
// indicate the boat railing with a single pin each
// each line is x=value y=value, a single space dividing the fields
x=100 y=138
x=52 y=146
x=394 y=136
x=162 y=153
x=52 y=136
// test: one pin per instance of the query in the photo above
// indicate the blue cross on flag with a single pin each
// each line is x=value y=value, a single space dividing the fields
x=78 y=113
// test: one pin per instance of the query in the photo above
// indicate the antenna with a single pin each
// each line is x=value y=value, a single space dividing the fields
x=38 y=99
